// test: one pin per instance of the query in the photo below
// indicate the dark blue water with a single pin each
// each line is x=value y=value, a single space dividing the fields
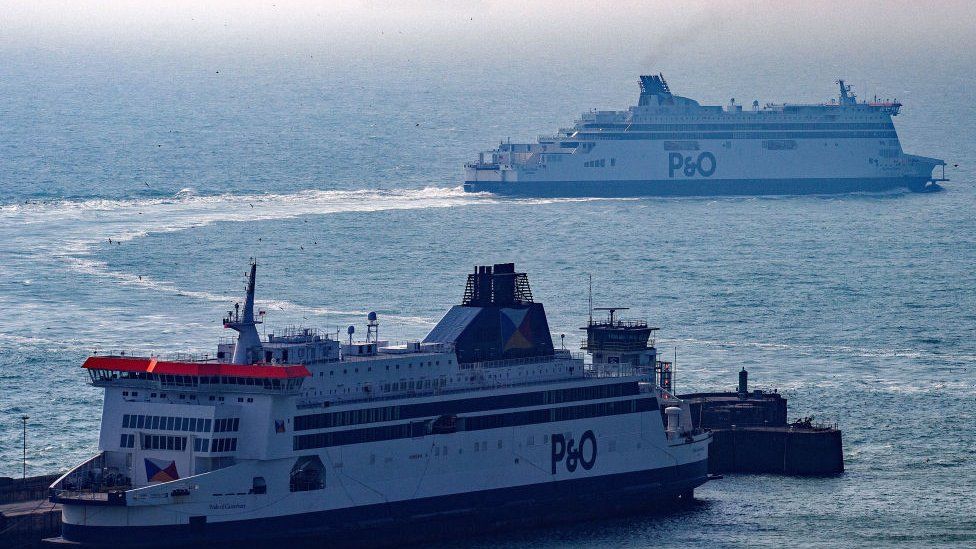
x=343 y=182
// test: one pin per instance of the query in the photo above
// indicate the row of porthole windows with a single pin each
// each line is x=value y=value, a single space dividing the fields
x=165 y=423
x=428 y=384
x=397 y=366
x=223 y=445
x=212 y=398
x=227 y=424
x=422 y=384
x=164 y=442
x=414 y=385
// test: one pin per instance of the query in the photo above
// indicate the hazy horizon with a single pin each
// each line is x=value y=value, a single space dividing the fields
x=647 y=36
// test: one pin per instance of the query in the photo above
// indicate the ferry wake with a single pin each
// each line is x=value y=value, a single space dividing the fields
x=672 y=145
x=484 y=424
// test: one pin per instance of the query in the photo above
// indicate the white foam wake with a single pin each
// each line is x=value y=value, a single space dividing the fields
x=68 y=231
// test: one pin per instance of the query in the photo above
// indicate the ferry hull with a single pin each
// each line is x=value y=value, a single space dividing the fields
x=428 y=518
x=711 y=187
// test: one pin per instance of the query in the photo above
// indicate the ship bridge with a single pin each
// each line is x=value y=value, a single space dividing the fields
x=151 y=372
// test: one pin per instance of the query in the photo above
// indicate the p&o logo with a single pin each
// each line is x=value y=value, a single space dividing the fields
x=575 y=455
x=703 y=165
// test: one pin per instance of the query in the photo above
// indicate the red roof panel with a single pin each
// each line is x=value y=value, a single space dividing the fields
x=151 y=365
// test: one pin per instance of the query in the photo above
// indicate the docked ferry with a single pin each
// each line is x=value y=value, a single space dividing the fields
x=484 y=424
x=672 y=145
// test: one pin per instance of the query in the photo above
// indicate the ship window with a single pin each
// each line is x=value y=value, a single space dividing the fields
x=258 y=486
x=206 y=425
x=193 y=424
x=155 y=422
x=141 y=422
x=307 y=474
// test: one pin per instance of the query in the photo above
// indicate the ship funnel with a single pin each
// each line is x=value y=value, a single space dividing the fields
x=847 y=96
x=651 y=86
x=244 y=324
x=497 y=286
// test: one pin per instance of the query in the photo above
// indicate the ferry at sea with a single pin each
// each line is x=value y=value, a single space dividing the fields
x=672 y=145
x=485 y=424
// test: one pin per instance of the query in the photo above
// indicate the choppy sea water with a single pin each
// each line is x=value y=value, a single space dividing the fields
x=132 y=201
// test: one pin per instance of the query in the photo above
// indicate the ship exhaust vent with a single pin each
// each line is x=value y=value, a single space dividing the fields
x=653 y=85
x=498 y=285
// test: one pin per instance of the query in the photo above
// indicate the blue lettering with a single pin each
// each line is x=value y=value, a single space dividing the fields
x=704 y=165
x=558 y=450
x=674 y=162
x=587 y=463
x=706 y=158
x=583 y=455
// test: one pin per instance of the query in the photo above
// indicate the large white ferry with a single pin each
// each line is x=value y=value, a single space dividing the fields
x=482 y=425
x=672 y=145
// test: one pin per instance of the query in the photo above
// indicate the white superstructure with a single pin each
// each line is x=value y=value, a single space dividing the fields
x=672 y=145
x=482 y=424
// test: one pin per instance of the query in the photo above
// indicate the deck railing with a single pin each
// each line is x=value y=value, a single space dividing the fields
x=93 y=480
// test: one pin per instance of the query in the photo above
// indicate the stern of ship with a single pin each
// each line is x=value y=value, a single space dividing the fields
x=921 y=171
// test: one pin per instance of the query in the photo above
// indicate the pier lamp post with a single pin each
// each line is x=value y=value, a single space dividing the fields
x=24 y=418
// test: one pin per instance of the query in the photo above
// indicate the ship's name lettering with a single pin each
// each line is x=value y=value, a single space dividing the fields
x=222 y=506
x=574 y=455
x=704 y=164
